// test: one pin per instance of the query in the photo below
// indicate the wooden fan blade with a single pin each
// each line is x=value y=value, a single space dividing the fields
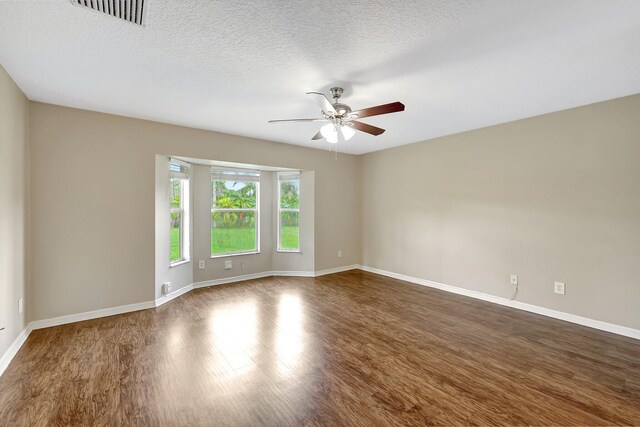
x=298 y=120
x=394 y=107
x=317 y=136
x=323 y=101
x=363 y=127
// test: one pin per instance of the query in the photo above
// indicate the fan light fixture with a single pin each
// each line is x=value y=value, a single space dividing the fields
x=342 y=120
x=330 y=132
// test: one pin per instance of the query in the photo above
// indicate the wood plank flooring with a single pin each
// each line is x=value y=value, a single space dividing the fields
x=352 y=348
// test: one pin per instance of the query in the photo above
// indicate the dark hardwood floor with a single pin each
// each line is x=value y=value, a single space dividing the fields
x=352 y=348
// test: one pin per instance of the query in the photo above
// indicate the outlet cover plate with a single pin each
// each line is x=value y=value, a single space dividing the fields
x=228 y=265
x=514 y=279
x=558 y=288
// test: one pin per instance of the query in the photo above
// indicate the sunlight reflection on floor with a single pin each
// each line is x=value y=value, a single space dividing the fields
x=289 y=340
x=234 y=329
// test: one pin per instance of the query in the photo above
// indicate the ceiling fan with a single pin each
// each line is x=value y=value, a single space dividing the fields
x=342 y=120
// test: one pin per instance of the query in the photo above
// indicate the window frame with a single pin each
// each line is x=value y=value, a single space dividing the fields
x=280 y=210
x=255 y=211
x=182 y=210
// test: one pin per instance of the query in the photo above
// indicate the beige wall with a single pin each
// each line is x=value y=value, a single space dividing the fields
x=551 y=198
x=13 y=208
x=93 y=202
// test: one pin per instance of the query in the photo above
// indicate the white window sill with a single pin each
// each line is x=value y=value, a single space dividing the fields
x=179 y=263
x=235 y=254
x=286 y=251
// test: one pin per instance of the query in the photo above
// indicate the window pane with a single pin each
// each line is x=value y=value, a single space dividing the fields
x=233 y=232
x=176 y=236
x=290 y=194
x=175 y=187
x=289 y=230
x=234 y=195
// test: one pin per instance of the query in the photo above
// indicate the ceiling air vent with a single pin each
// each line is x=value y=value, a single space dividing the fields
x=129 y=10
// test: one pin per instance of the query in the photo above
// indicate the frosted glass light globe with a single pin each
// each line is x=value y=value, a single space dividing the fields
x=348 y=132
x=328 y=131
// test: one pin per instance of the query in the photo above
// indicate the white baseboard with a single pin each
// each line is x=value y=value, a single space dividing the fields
x=584 y=321
x=88 y=315
x=233 y=279
x=294 y=273
x=175 y=294
x=252 y=276
x=337 y=269
x=13 y=349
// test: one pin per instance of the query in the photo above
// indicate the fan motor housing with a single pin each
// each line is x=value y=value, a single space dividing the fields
x=341 y=109
x=336 y=92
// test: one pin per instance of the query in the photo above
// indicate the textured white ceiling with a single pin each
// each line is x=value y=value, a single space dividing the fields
x=232 y=65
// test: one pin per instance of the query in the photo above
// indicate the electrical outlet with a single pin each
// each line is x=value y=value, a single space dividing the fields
x=228 y=265
x=558 y=288
x=166 y=287
x=20 y=305
x=514 y=279
x=339 y=253
x=201 y=264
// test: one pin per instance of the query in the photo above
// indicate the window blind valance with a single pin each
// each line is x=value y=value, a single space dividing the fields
x=289 y=175
x=179 y=169
x=236 y=175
